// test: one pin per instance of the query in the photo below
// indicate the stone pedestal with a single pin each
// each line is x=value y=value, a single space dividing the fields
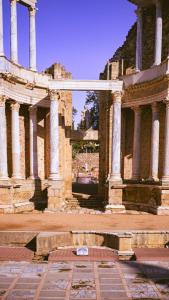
x=115 y=197
x=55 y=194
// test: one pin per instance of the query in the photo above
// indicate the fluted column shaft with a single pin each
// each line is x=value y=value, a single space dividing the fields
x=139 y=40
x=3 y=141
x=32 y=51
x=165 y=177
x=155 y=143
x=158 y=35
x=136 y=143
x=14 y=35
x=116 y=139
x=1 y=30
x=16 y=151
x=54 y=136
x=33 y=142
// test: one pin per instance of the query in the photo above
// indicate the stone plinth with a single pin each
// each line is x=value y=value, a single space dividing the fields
x=115 y=196
x=55 y=192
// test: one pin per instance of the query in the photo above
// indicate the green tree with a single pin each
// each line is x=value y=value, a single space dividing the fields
x=92 y=103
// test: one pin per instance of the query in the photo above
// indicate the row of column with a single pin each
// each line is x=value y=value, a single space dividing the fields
x=16 y=147
x=158 y=36
x=14 y=35
x=115 y=175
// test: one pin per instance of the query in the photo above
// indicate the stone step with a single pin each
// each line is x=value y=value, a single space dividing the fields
x=151 y=254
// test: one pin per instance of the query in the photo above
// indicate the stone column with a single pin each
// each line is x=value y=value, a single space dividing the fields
x=32 y=51
x=33 y=142
x=54 y=136
x=158 y=34
x=3 y=141
x=16 y=151
x=139 y=40
x=116 y=139
x=136 y=143
x=155 y=143
x=1 y=30
x=165 y=177
x=14 y=35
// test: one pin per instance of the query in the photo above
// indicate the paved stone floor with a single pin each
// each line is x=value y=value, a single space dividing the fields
x=84 y=280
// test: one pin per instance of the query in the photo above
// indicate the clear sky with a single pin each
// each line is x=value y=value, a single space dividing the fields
x=80 y=34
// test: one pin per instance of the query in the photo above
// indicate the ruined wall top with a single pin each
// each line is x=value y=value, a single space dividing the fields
x=143 y=2
x=58 y=71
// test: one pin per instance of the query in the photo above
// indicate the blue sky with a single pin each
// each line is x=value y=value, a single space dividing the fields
x=80 y=34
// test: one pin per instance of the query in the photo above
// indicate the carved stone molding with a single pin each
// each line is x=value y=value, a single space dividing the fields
x=54 y=95
x=136 y=109
x=117 y=96
x=15 y=106
x=32 y=11
x=3 y=100
x=32 y=109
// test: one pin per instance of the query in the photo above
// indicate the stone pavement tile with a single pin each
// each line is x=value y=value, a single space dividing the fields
x=112 y=276
x=82 y=294
x=111 y=287
x=26 y=286
x=59 y=284
x=116 y=281
x=54 y=276
x=29 y=280
x=113 y=295
x=23 y=294
x=53 y=294
x=83 y=276
x=4 y=285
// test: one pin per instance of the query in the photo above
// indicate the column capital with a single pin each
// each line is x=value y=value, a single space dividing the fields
x=15 y=106
x=158 y=3
x=166 y=101
x=3 y=100
x=32 y=11
x=117 y=95
x=13 y=1
x=154 y=107
x=136 y=109
x=54 y=95
x=139 y=11
x=32 y=109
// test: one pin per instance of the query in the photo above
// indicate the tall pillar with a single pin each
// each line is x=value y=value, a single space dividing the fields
x=116 y=139
x=3 y=141
x=158 y=34
x=165 y=177
x=154 y=143
x=32 y=51
x=136 y=143
x=1 y=30
x=16 y=151
x=54 y=136
x=33 y=142
x=14 y=36
x=139 y=40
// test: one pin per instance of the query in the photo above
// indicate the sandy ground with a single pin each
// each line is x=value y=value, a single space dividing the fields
x=67 y=222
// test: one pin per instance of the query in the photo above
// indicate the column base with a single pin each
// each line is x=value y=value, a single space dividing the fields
x=165 y=180
x=54 y=177
x=4 y=178
x=115 y=208
x=56 y=200
x=153 y=179
x=115 y=179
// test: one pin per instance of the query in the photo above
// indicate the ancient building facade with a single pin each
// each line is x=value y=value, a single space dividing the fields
x=138 y=177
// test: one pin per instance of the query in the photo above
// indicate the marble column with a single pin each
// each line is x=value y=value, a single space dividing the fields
x=136 y=143
x=158 y=34
x=165 y=177
x=32 y=51
x=139 y=40
x=33 y=142
x=14 y=36
x=116 y=139
x=54 y=136
x=1 y=30
x=3 y=141
x=155 y=143
x=16 y=151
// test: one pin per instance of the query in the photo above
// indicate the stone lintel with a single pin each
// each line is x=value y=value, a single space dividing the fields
x=28 y=3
